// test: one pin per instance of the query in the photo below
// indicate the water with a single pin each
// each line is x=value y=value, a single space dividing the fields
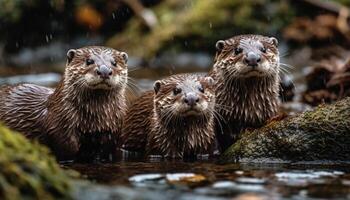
x=210 y=180
x=204 y=179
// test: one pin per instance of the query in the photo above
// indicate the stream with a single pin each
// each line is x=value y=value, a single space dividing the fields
x=158 y=179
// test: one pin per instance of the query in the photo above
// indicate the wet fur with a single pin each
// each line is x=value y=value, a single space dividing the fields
x=244 y=101
x=149 y=129
x=75 y=121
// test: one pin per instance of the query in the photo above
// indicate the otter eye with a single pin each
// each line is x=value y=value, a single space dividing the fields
x=177 y=91
x=114 y=63
x=89 y=61
x=263 y=49
x=201 y=89
x=238 y=50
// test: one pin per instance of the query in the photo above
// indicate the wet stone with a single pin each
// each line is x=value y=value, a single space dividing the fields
x=246 y=180
x=179 y=179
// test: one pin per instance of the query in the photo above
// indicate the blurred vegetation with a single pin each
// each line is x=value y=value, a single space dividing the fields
x=28 y=171
x=13 y=11
x=37 y=22
x=343 y=2
x=322 y=134
x=197 y=25
x=190 y=25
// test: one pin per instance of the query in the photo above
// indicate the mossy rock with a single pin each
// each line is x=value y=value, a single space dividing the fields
x=321 y=134
x=198 y=24
x=28 y=171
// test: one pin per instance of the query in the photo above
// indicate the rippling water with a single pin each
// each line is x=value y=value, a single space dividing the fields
x=209 y=180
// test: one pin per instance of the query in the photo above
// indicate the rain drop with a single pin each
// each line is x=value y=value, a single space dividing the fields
x=47 y=38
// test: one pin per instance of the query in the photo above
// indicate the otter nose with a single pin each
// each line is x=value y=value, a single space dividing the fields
x=191 y=99
x=104 y=72
x=252 y=59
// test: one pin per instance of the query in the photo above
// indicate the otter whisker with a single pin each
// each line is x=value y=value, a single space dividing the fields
x=253 y=96
x=218 y=115
x=133 y=87
x=133 y=83
x=131 y=69
x=282 y=72
x=180 y=125
x=168 y=116
x=218 y=119
x=287 y=65
x=134 y=91
x=86 y=107
x=284 y=54
x=224 y=107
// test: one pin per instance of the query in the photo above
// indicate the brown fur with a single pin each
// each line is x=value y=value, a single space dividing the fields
x=244 y=99
x=77 y=119
x=153 y=124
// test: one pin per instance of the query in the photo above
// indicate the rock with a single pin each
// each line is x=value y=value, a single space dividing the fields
x=321 y=134
x=28 y=171
x=171 y=179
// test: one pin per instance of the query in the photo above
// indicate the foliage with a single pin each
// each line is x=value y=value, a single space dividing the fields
x=197 y=25
x=30 y=23
x=12 y=10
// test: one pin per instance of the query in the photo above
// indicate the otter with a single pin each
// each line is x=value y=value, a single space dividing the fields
x=176 y=120
x=82 y=117
x=246 y=71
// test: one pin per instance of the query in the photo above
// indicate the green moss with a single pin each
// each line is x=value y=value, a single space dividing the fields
x=28 y=171
x=197 y=25
x=321 y=134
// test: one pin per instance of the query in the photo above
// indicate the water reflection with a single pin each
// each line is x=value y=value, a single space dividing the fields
x=210 y=180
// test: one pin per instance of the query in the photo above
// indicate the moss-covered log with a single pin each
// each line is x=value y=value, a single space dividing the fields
x=321 y=134
x=28 y=171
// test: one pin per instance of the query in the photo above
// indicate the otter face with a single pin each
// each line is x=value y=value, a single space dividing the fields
x=184 y=96
x=97 y=68
x=247 y=56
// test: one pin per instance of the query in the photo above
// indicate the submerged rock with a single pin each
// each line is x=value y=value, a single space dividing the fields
x=28 y=171
x=321 y=134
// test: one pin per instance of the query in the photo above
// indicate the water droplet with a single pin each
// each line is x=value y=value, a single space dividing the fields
x=47 y=38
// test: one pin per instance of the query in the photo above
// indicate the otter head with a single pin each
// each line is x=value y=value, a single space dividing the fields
x=96 y=68
x=247 y=56
x=182 y=96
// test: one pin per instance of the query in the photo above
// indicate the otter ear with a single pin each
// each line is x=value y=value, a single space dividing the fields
x=274 y=41
x=70 y=55
x=220 y=45
x=156 y=86
x=125 y=56
x=209 y=80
